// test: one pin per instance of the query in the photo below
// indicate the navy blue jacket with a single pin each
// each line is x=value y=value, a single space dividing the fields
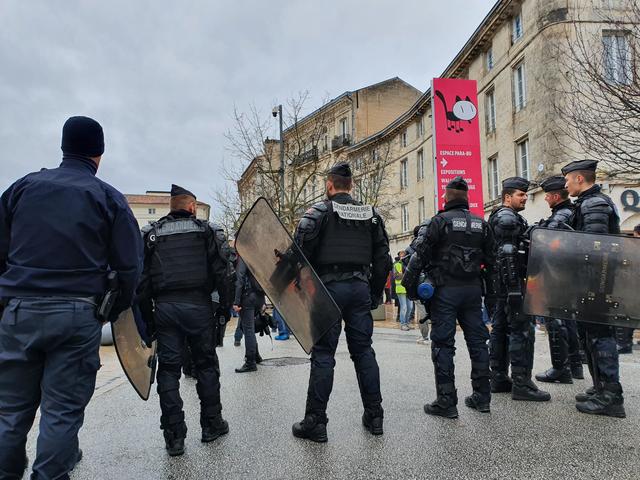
x=62 y=230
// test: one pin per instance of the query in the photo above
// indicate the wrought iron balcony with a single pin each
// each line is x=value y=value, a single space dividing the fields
x=340 y=141
x=308 y=156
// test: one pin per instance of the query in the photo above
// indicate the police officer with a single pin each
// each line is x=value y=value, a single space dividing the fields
x=596 y=213
x=61 y=231
x=350 y=253
x=513 y=333
x=185 y=260
x=454 y=247
x=563 y=334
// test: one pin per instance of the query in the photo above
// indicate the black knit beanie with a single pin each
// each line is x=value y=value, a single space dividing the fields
x=82 y=136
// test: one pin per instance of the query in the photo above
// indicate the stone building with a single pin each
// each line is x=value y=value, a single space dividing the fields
x=511 y=56
x=153 y=205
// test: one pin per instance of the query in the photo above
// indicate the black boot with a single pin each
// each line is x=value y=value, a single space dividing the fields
x=583 y=397
x=500 y=382
x=247 y=367
x=608 y=401
x=577 y=372
x=555 y=376
x=478 y=402
x=213 y=428
x=525 y=389
x=174 y=439
x=445 y=403
x=372 y=421
x=311 y=428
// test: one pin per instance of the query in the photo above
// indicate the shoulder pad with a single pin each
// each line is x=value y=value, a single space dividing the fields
x=594 y=201
x=147 y=228
x=506 y=219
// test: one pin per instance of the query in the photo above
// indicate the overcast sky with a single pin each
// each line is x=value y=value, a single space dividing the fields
x=162 y=77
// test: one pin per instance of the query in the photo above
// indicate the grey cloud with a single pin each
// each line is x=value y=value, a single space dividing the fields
x=163 y=76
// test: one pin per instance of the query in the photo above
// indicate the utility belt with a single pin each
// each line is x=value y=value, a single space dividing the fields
x=342 y=268
x=200 y=297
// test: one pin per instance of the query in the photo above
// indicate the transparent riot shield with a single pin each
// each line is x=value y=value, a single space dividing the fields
x=584 y=276
x=285 y=275
x=137 y=360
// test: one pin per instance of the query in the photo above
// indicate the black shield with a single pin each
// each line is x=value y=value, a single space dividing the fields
x=285 y=275
x=137 y=360
x=584 y=276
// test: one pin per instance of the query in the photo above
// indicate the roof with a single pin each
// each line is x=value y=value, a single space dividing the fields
x=348 y=94
x=134 y=199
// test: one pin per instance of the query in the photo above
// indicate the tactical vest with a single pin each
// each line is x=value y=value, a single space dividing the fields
x=460 y=255
x=179 y=255
x=346 y=236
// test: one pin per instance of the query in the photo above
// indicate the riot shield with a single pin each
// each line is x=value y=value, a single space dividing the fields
x=137 y=360
x=584 y=276
x=285 y=275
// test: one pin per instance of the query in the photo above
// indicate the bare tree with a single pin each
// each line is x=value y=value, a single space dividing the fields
x=256 y=170
x=595 y=89
x=371 y=179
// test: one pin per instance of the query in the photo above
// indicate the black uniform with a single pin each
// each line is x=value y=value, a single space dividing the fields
x=513 y=332
x=185 y=258
x=454 y=247
x=563 y=334
x=352 y=258
x=596 y=213
x=61 y=231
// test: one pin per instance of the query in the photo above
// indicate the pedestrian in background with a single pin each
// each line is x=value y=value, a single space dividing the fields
x=401 y=292
x=249 y=299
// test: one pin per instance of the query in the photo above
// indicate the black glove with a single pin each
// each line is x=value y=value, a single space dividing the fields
x=376 y=300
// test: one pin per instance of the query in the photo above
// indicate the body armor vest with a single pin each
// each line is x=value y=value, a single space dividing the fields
x=346 y=236
x=460 y=256
x=179 y=258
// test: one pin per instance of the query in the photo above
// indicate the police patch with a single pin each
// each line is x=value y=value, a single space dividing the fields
x=353 y=212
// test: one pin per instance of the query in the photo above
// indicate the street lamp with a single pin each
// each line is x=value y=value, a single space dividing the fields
x=277 y=112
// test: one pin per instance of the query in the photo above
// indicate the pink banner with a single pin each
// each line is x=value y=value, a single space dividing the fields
x=456 y=138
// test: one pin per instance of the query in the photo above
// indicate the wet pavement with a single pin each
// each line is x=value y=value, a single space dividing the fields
x=121 y=438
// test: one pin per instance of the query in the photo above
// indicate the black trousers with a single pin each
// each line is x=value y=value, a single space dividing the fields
x=463 y=303
x=177 y=324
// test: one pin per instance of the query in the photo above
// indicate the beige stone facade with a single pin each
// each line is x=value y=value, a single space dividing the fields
x=509 y=55
x=154 y=205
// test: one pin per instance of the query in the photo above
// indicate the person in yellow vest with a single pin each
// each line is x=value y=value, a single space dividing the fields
x=401 y=292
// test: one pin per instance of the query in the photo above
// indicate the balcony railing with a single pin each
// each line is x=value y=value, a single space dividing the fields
x=308 y=156
x=340 y=141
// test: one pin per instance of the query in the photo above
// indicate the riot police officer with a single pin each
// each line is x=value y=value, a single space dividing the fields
x=563 y=334
x=62 y=231
x=347 y=245
x=454 y=247
x=185 y=260
x=513 y=332
x=596 y=213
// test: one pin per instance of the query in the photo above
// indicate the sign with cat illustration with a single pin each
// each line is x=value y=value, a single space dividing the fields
x=456 y=138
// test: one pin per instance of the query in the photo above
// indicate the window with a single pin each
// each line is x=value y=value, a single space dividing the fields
x=374 y=154
x=358 y=163
x=519 y=87
x=403 y=139
x=420 y=165
x=404 y=217
x=489 y=58
x=313 y=189
x=490 y=107
x=617 y=58
x=325 y=144
x=404 y=174
x=494 y=181
x=420 y=127
x=516 y=28
x=522 y=155
x=152 y=211
x=421 y=210
x=343 y=127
